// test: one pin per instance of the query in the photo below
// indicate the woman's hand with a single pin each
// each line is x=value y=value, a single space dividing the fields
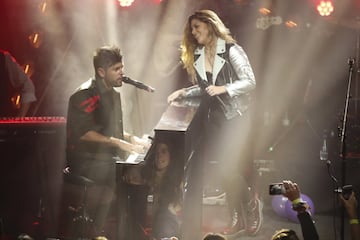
x=176 y=95
x=213 y=90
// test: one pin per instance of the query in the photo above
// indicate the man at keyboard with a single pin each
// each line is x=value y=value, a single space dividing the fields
x=95 y=134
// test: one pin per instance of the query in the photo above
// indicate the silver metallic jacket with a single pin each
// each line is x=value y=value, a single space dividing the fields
x=232 y=69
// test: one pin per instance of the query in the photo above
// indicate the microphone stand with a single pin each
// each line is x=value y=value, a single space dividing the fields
x=342 y=138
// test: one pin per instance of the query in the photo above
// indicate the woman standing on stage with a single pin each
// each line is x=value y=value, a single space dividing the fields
x=221 y=73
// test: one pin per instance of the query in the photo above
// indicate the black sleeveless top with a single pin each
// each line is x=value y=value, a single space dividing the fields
x=215 y=113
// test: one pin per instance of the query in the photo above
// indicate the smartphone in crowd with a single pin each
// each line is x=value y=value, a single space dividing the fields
x=276 y=189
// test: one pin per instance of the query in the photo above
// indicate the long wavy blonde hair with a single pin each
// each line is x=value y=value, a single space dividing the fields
x=189 y=43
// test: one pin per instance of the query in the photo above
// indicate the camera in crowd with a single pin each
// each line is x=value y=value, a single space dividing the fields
x=276 y=189
x=345 y=191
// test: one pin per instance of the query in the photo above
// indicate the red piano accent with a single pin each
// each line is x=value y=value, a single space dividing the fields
x=26 y=128
x=33 y=120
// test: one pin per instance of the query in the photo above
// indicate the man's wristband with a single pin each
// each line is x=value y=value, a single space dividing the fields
x=354 y=221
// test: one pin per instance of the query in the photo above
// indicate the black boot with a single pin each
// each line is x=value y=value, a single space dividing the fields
x=237 y=225
x=254 y=216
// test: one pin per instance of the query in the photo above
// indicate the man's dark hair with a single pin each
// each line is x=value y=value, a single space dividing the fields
x=105 y=57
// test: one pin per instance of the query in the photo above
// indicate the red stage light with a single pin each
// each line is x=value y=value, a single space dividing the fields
x=43 y=7
x=35 y=39
x=28 y=68
x=264 y=11
x=325 y=8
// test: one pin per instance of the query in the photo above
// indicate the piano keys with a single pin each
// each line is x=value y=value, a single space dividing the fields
x=132 y=159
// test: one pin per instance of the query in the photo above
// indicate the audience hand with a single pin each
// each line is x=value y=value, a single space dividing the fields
x=292 y=190
x=350 y=205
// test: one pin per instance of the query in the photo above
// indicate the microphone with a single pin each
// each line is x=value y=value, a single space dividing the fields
x=138 y=84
